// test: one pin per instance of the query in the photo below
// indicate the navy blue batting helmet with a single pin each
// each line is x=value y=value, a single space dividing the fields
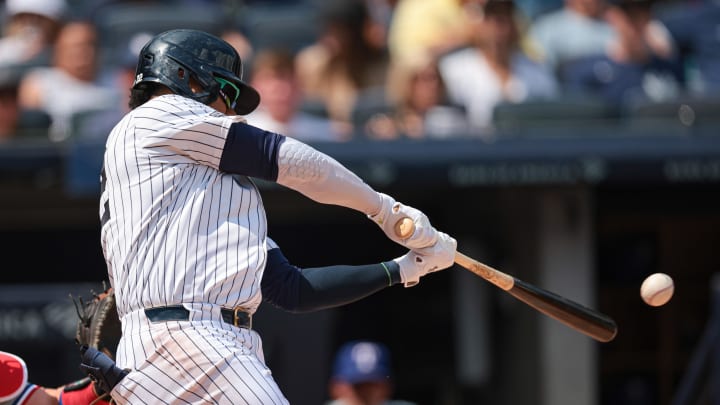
x=173 y=57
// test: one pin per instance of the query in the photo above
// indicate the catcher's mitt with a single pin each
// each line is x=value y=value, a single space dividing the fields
x=99 y=324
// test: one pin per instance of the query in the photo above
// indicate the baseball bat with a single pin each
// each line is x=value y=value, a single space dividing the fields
x=576 y=316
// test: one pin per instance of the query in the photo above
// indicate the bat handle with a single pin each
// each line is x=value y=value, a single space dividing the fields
x=404 y=228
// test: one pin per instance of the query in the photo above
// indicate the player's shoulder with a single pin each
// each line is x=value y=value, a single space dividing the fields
x=175 y=111
x=175 y=104
x=169 y=111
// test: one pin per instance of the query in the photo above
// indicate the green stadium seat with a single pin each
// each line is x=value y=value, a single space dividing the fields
x=562 y=116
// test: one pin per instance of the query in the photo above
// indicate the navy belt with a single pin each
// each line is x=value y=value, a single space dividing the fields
x=236 y=317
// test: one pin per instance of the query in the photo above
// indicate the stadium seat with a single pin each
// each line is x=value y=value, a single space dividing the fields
x=33 y=123
x=119 y=23
x=290 y=26
x=369 y=102
x=686 y=115
x=94 y=124
x=314 y=107
x=558 y=116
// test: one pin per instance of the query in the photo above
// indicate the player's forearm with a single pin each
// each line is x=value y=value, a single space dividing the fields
x=304 y=290
x=323 y=179
x=328 y=287
x=82 y=392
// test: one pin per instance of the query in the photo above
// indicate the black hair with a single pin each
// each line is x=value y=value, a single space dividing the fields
x=141 y=93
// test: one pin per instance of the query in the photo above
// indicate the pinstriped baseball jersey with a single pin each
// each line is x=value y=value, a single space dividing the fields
x=177 y=231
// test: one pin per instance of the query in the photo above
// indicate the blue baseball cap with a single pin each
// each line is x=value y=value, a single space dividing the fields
x=362 y=361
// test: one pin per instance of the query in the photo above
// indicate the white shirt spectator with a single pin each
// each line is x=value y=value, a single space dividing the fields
x=29 y=29
x=64 y=95
x=471 y=82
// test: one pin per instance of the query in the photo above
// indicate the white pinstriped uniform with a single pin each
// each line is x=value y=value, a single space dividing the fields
x=178 y=231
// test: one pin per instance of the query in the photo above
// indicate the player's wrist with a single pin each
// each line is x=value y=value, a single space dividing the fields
x=392 y=212
x=380 y=214
x=392 y=269
x=409 y=268
x=97 y=390
x=83 y=391
x=417 y=263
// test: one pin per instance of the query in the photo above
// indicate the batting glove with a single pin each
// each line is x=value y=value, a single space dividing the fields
x=392 y=211
x=419 y=262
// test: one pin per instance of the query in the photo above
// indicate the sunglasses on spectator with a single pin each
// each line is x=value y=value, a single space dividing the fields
x=228 y=91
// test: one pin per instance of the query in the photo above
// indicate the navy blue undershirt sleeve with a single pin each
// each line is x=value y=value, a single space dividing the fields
x=251 y=151
x=304 y=290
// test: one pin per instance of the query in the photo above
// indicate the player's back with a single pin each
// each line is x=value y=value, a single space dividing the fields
x=175 y=229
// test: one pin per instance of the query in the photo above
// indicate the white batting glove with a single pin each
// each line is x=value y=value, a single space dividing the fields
x=392 y=211
x=419 y=262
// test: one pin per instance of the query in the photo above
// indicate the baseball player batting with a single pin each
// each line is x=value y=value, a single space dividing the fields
x=184 y=232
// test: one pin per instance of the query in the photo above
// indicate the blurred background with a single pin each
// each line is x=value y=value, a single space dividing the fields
x=571 y=143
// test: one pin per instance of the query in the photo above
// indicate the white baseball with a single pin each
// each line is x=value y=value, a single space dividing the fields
x=657 y=289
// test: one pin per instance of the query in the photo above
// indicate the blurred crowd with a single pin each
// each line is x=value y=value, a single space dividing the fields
x=371 y=69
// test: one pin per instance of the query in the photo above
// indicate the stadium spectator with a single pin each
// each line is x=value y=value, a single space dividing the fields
x=532 y=9
x=493 y=69
x=70 y=85
x=624 y=31
x=426 y=25
x=92 y=7
x=9 y=106
x=643 y=67
x=382 y=12
x=273 y=75
x=343 y=62
x=417 y=105
x=655 y=38
x=240 y=42
x=30 y=30
x=579 y=29
x=693 y=25
x=16 y=122
x=96 y=123
x=362 y=375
